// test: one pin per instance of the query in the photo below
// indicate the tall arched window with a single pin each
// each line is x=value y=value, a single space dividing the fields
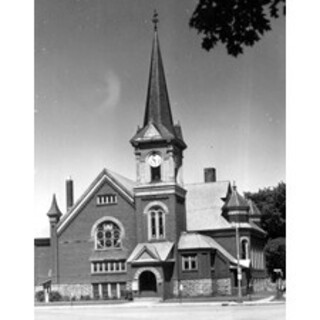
x=156 y=223
x=244 y=249
x=107 y=235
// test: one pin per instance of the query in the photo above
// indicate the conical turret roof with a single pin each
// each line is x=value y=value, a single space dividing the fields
x=236 y=201
x=54 y=210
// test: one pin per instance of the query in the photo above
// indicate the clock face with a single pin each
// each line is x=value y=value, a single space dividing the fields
x=154 y=160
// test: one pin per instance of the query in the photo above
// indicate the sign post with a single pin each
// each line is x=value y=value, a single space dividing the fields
x=239 y=271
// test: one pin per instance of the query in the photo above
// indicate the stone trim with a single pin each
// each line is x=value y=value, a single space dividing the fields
x=151 y=269
x=73 y=290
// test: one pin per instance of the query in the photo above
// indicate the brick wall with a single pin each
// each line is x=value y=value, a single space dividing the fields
x=42 y=264
x=76 y=245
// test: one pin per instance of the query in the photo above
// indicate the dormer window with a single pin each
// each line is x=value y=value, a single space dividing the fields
x=105 y=199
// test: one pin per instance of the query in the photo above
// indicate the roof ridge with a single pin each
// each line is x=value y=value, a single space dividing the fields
x=207 y=183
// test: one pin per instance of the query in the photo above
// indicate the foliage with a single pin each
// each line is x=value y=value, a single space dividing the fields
x=55 y=296
x=272 y=204
x=234 y=23
x=276 y=255
x=39 y=296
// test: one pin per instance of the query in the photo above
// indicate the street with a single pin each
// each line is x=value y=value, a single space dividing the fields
x=154 y=312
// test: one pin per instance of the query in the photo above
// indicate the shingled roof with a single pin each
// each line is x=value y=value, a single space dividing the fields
x=54 y=210
x=122 y=184
x=203 y=203
x=195 y=240
x=158 y=116
x=253 y=209
x=158 y=251
x=236 y=201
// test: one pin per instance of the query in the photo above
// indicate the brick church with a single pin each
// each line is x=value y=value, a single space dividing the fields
x=154 y=236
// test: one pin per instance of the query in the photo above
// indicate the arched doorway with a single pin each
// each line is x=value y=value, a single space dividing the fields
x=147 y=283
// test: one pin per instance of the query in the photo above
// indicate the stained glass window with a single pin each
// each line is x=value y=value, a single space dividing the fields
x=108 y=235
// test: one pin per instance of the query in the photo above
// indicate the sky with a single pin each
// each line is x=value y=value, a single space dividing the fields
x=91 y=71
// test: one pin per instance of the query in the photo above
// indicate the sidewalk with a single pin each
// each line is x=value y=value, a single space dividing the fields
x=209 y=301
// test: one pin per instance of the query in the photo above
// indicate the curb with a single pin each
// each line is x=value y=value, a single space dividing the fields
x=264 y=302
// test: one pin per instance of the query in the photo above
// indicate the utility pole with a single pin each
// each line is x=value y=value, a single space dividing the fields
x=239 y=271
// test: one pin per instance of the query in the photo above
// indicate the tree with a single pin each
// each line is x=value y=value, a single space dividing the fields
x=234 y=23
x=272 y=204
x=276 y=255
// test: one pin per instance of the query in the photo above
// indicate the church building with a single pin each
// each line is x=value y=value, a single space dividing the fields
x=154 y=236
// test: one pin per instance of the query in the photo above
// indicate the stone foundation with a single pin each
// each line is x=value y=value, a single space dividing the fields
x=262 y=285
x=222 y=286
x=193 y=288
x=73 y=290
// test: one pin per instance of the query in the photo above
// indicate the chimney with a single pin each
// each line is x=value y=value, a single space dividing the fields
x=69 y=193
x=210 y=175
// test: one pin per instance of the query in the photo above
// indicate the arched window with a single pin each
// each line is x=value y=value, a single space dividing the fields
x=244 y=249
x=107 y=235
x=156 y=223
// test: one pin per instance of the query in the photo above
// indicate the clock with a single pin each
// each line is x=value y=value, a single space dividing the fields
x=154 y=160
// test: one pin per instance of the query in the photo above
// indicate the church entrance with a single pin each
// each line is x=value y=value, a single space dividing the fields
x=148 y=284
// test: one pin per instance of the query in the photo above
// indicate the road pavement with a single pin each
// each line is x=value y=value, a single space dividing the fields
x=163 y=311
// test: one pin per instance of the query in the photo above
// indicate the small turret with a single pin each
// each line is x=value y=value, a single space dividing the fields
x=54 y=215
x=236 y=208
x=54 y=212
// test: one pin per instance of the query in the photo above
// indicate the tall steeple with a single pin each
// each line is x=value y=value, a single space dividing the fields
x=158 y=148
x=158 y=108
x=158 y=121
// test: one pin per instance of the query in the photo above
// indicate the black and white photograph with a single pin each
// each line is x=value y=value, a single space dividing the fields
x=159 y=159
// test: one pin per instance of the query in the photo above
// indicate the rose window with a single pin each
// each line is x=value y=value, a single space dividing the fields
x=108 y=235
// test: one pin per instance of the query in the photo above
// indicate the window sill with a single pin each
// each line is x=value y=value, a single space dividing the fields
x=109 y=249
x=107 y=273
x=106 y=204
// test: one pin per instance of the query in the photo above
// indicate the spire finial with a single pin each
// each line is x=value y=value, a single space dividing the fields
x=155 y=19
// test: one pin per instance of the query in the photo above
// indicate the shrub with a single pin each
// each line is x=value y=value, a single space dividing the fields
x=55 y=296
x=39 y=296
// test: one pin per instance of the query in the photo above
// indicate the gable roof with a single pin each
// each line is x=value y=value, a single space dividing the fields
x=198 y=241
x=157 y=251
x=122 y=184
x=203 y=203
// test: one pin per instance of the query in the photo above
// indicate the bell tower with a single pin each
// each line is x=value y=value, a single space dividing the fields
x=158 y=147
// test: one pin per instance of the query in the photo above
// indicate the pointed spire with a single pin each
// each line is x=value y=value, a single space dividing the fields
x=155 y=19
x=54 y=211
x=158 y=108
x=158 y=121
